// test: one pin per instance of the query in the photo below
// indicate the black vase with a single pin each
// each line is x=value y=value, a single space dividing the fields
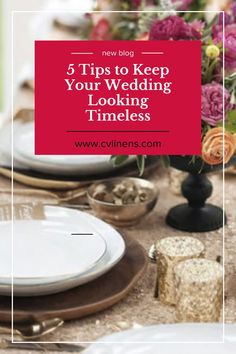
x=196 y=215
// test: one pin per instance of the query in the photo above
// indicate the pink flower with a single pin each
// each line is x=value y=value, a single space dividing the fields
x=198 y=25
x=136 y=3
x=102 y=31
x=233 y=10
x=230 y=45
x=212 y=103
x=173 y=27
x=184 y=4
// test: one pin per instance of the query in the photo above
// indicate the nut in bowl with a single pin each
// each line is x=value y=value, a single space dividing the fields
x=123 y=201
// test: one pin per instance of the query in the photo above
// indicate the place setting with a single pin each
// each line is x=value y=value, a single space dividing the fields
x=65 y=261
x=51 y=281
x=56 y=249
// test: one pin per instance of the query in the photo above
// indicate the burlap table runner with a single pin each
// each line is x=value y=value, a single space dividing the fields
x=140 y=307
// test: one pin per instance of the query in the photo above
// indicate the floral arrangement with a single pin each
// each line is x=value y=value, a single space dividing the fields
x=218 y=121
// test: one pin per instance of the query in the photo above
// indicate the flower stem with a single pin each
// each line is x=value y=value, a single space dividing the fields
x=210 y=68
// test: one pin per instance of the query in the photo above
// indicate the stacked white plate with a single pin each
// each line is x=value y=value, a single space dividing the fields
x=169 y=339
x=66 y=249
x=65 y=165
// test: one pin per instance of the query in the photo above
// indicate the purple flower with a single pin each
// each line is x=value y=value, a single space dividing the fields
x=227 y=16
x=212 y=103
x=136 y=3
x=184 y=4
x=233 y=10
x=229 y=19
x=218 y=27
x=198 y=25
x=230 y=45
x=173 y=27
x=169 y=28
x=190 y=31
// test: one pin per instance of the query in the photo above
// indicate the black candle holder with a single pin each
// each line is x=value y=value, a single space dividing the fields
x=196 y=215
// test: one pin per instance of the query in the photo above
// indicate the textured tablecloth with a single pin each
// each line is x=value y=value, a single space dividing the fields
x=140 y=307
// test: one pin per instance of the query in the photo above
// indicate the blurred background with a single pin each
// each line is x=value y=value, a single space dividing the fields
x=23 y=38
x=29 y=26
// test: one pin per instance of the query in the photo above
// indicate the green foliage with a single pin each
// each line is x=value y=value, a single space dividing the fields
x=205 y=128
x=197 y=5
x=118 y=159
x=230 y=83
x=141 y=163
x=230 y=124
x=146 y=19
x=165 y=160
x=126 y=28
x=208 y=29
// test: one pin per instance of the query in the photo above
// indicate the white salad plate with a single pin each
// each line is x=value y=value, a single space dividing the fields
x=45 y=249
x=168 y=339
x=56 y=164
x=57 y=261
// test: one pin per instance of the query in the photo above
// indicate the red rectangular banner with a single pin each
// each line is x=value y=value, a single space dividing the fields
x=118 y=97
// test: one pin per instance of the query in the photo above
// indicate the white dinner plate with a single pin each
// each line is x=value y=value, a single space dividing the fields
x=149 y=340
x=57 y=164
x=115 y=248
x=45 y=249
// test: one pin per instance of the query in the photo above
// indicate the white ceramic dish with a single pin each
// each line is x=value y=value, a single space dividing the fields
x=115 y=249
x=147 y=340
x=68 y=12
x=56 y=164
x=45 y=249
